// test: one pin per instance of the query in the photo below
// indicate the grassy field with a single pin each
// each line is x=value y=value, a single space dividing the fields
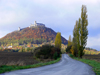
x=21 y=60
x=93 y=63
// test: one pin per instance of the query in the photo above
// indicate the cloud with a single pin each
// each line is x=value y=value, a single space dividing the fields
x=70 y=10
x=60 y=15
x=11 y=12
x=94 y=42
x=57 y=11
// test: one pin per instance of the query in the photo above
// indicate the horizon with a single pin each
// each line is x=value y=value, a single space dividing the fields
x=59 y=15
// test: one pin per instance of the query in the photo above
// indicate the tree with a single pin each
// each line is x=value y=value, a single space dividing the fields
x=80 y=33
x=69 y=41
x=68 y=49
x=75 y=39
x=22 y=49
x=69 y=45
x=72 y=50
x=58 y=40
x=83 y=30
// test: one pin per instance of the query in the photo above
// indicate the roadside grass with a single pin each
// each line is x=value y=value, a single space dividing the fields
x=93 y=63
x=5 y=68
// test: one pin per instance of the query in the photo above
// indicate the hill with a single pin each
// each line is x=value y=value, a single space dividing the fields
x=91 y=51
x=33 y=35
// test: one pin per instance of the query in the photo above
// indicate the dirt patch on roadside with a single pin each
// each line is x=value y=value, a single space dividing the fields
x=19 y=58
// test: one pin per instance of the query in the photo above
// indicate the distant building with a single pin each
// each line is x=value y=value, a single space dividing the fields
x=33 y=25
x=36 y=25
x=9 y=46
x=19 y=29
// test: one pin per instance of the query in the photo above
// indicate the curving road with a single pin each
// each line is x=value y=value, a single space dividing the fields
x=67 y=66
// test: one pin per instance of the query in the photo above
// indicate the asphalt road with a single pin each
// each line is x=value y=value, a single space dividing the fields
x=67 y=66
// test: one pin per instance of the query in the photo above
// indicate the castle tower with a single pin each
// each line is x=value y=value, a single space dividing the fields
x=35 y=23
x=19 y=29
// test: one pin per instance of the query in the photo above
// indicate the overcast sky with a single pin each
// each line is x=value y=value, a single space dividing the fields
x=60 y=15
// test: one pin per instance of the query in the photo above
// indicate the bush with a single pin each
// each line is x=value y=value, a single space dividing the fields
x=71 y=55
x=55 y=56
x=68 y=49
x=46 y=51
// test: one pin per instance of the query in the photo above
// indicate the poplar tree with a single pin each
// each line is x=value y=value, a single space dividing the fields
x=69 y=41
x=75 y=39
x=58 y=40
x=83 y=30
x=80 y=33
x=69 y=45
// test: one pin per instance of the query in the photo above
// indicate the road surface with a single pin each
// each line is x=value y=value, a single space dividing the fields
x=67 y=66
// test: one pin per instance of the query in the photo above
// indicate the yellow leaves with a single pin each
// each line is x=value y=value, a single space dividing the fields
x=72 y=50
x=92 y=52
x=11 y=44
x=58 y=40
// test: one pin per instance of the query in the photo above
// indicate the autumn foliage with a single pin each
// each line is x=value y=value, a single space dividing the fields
x=30 y=35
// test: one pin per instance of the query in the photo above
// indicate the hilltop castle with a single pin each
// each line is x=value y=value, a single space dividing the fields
x=19 y=29
x=34 y=25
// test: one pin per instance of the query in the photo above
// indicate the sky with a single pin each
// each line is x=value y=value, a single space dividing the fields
x=60 y=15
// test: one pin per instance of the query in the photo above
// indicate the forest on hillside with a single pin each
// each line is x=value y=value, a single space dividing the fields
x=30 y=35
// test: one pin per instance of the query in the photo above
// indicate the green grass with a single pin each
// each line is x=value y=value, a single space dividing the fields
x=5 y=68
x=93 y=63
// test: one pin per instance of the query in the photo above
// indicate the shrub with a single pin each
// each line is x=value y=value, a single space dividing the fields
x=46 y=51
x=68 y=49
x=71 y=55
x=55 y=55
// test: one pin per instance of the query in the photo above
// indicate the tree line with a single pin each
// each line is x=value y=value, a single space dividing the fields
x=5 y=42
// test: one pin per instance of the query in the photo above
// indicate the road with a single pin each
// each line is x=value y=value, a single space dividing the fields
x=66 y=66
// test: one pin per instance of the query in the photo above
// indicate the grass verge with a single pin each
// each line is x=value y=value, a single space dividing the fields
x=93 y=63
x=5 y=68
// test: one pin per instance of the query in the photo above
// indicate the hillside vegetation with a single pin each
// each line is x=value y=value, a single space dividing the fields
x=91 y=52
x=27 y=35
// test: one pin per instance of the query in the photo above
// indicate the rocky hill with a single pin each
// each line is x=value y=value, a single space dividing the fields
x=35 y=35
